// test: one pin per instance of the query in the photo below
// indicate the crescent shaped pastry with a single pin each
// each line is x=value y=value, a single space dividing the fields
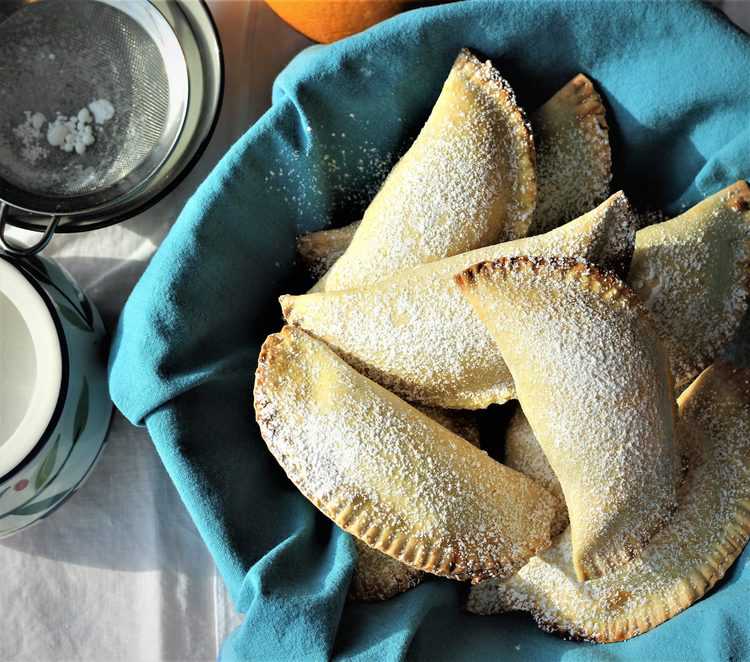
x=523 y=453
x=377 y=576
x=683 y=561
x=388 y=474
x=693 y=273
x=574 y=161
x=468 y=180
x=415 y=334
x=594 y=383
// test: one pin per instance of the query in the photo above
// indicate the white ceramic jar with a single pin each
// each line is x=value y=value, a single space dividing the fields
x=54 y=402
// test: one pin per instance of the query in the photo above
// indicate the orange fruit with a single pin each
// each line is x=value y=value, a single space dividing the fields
x=328 y=20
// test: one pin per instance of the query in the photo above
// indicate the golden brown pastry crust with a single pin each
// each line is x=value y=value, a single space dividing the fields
x=387 y=473
x=468 y=180
x=574 y=160
x=524 y=453
x=415 y=334
x=319 y=250
x=378 y=576
x=594 y=383
x=683 y=561
x=693 y=273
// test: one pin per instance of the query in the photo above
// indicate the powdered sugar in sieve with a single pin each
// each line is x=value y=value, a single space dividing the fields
x=58 y=57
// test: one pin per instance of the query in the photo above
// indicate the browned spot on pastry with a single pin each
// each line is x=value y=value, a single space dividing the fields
x=683 y=561
x=562 y=325
x=390 y=475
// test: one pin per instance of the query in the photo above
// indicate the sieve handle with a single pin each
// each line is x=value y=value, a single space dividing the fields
x=17 y=250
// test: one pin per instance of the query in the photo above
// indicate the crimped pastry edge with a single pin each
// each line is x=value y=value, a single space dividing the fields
x=693 y=586
x=737 y=199
x=354 y=518
x=578 y=105
x=523 y=190
x=592 y=119
x=580 y=96
x=609 y=287
x=609 y=284
x=372 y=586
x=694 y=583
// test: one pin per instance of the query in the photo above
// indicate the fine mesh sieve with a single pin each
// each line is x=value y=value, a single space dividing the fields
x=56 y=58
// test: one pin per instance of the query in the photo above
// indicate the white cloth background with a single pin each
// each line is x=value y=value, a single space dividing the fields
x=120 y=573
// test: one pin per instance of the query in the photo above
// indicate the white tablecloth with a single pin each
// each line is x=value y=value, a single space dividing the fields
x=120 y=573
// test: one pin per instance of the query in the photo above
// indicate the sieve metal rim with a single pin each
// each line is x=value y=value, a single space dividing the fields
x=144 y=14
x=193 y=24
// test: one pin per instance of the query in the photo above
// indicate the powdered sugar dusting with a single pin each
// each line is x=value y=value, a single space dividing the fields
x=378 y=576
x=467 y=181
x=692 y=273
x=387 y=473
x=524 y=453
x=573 y=165
x=574 y=162
x=29 y=133
x=415 y=333
x=594 y=383
x=682 y=562
x=347 y=172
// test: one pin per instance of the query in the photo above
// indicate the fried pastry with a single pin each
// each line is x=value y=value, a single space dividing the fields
x=574 y=161
x=573 y=164
x=523 y=453
x=468 y=180
x=693 y=273
x=594 y=383
x=377 y=576
x=683 y=561
x=390 y=475
x=415 y=334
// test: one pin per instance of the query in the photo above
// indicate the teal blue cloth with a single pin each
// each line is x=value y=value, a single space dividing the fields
x=676 y=79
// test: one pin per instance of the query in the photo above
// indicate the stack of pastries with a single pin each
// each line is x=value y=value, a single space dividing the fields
x=494 y=265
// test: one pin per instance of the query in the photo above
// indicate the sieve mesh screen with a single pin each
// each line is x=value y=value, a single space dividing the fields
x=56 y=57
